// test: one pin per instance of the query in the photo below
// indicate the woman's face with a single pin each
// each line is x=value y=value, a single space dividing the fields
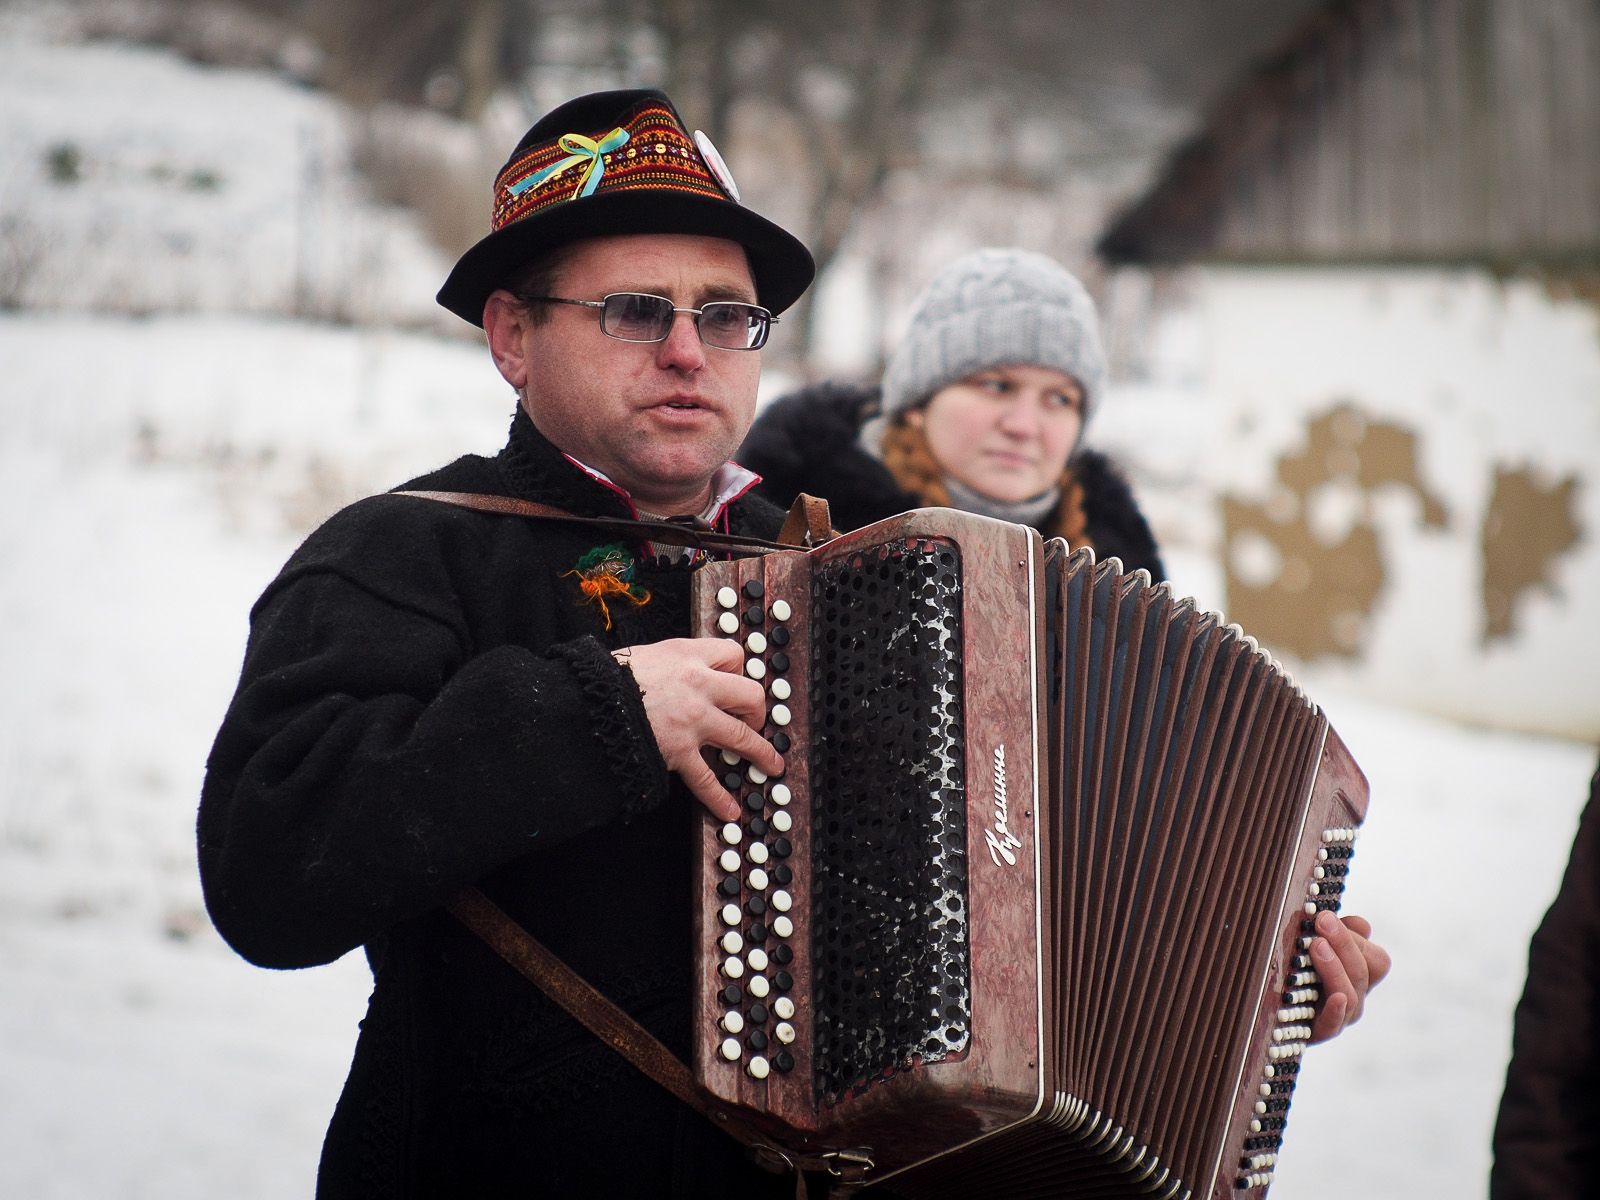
x=1005 y=432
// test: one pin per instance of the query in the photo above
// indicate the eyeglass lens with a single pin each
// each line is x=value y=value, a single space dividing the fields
x=639 y=317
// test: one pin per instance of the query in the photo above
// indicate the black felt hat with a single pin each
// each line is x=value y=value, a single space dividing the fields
x=611 y=163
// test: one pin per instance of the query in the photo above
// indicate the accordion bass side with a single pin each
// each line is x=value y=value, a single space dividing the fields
x=1029 y=910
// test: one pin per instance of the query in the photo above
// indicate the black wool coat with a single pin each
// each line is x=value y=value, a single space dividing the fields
x=1547 y=1133
x=428 y=701
x=808 y=442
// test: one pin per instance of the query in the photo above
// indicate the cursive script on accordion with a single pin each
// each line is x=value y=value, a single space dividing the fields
x=1029 y=911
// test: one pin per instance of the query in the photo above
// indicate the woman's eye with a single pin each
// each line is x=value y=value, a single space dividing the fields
x=997 y=386
x=1065 y=400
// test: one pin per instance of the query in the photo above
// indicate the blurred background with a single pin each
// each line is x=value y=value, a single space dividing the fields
x=1347 y=253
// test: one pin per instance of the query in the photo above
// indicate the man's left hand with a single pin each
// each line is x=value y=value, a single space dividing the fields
x=1350 y=964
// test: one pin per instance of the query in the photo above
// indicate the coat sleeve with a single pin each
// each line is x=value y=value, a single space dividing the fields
x=373 y=761
x=1547 y=1134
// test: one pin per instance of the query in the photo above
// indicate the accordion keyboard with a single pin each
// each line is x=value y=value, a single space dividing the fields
x=760 y=1019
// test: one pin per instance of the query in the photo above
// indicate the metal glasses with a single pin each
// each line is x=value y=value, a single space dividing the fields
x=641 y=317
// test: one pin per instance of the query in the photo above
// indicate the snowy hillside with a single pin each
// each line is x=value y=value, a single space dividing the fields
x=158 y=469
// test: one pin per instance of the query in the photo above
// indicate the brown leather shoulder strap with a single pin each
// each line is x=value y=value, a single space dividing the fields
x=808 y=523
x=846 y=1169
x=672 y=532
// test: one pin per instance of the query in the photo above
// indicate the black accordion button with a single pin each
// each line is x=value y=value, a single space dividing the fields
x=753 y=589
x=756 y=906
x=732 y=994
x=782 y=875
x=755 y=801
x=782 y=848
x=729 y=886
x=779 y=636
x=757 y=933
x=733 y=781
x=756 y=1040
x=784 y=1061
x=758 y=1014
x=780 y=742
x=779 y=662
x=753 y=615
x=757 y=827
x=783 y=981
x=783 y=955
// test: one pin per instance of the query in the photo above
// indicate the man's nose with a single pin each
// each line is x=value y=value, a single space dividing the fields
x=682 y=349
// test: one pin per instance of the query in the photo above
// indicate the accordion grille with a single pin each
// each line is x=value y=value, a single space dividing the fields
x=891 y=948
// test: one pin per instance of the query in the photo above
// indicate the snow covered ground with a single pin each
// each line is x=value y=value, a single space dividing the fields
x=155 y=473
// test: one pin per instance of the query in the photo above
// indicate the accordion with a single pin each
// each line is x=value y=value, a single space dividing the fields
x=1029 y=911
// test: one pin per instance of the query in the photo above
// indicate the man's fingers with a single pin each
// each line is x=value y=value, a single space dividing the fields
x=1331 y=1019
x=702 y=781
x=1349 y=966
x=749 y=745
x=743 y=698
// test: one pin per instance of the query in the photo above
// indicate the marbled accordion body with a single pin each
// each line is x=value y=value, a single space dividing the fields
x=1027 y=913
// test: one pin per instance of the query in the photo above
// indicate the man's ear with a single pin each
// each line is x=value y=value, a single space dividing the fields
x=505 y=320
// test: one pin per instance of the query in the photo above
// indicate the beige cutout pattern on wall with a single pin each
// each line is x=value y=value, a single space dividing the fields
x=1526 y=528
x=1307 y=586
x=1304 y=584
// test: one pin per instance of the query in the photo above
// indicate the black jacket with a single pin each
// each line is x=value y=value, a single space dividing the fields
x=807 y=442
x=1547 y=1134
x=428 y=701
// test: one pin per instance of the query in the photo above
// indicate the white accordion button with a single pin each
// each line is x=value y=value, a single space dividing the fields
x=755 y=668
x=727 y=597
x=758 y=959
x=780 y=714
x=785 y=1033
x=758 y=986
x=732 y=943
x=730 y=914
x=781 y=689
x=729 y=861
x=782 y=821
x=728 y=623
x=784 y=1007
x=732 y=1022
x=758 y=879
x=756 y=775
x=780 y=794
x=758 y=1067
x=730 y=1049
x=781 y=901
x=733 y=968
x=730 y=758
x=732 y=834
x=756 y=643
x=757 y=853
x=783 y=927
x=781 y=610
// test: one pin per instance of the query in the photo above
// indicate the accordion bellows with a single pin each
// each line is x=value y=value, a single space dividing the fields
x=1028 y=912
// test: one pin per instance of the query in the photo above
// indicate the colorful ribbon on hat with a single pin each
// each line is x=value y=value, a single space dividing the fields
x=580 y=149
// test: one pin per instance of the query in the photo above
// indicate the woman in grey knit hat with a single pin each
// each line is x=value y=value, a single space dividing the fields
x=982 y=407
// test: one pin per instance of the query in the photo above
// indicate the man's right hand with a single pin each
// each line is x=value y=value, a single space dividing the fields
x=695 y=695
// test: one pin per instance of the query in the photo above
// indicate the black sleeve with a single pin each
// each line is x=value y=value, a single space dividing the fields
x=1115 y=525
x=373 y=762
x=1547 y=1133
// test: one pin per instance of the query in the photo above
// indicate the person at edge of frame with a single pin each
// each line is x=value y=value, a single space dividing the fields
x=1547 y=1131
x=434 y=697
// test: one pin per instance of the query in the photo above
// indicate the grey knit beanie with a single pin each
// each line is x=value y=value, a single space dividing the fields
x=994 y=308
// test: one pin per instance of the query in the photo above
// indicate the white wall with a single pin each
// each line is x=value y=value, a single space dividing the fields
x=1486 y=376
